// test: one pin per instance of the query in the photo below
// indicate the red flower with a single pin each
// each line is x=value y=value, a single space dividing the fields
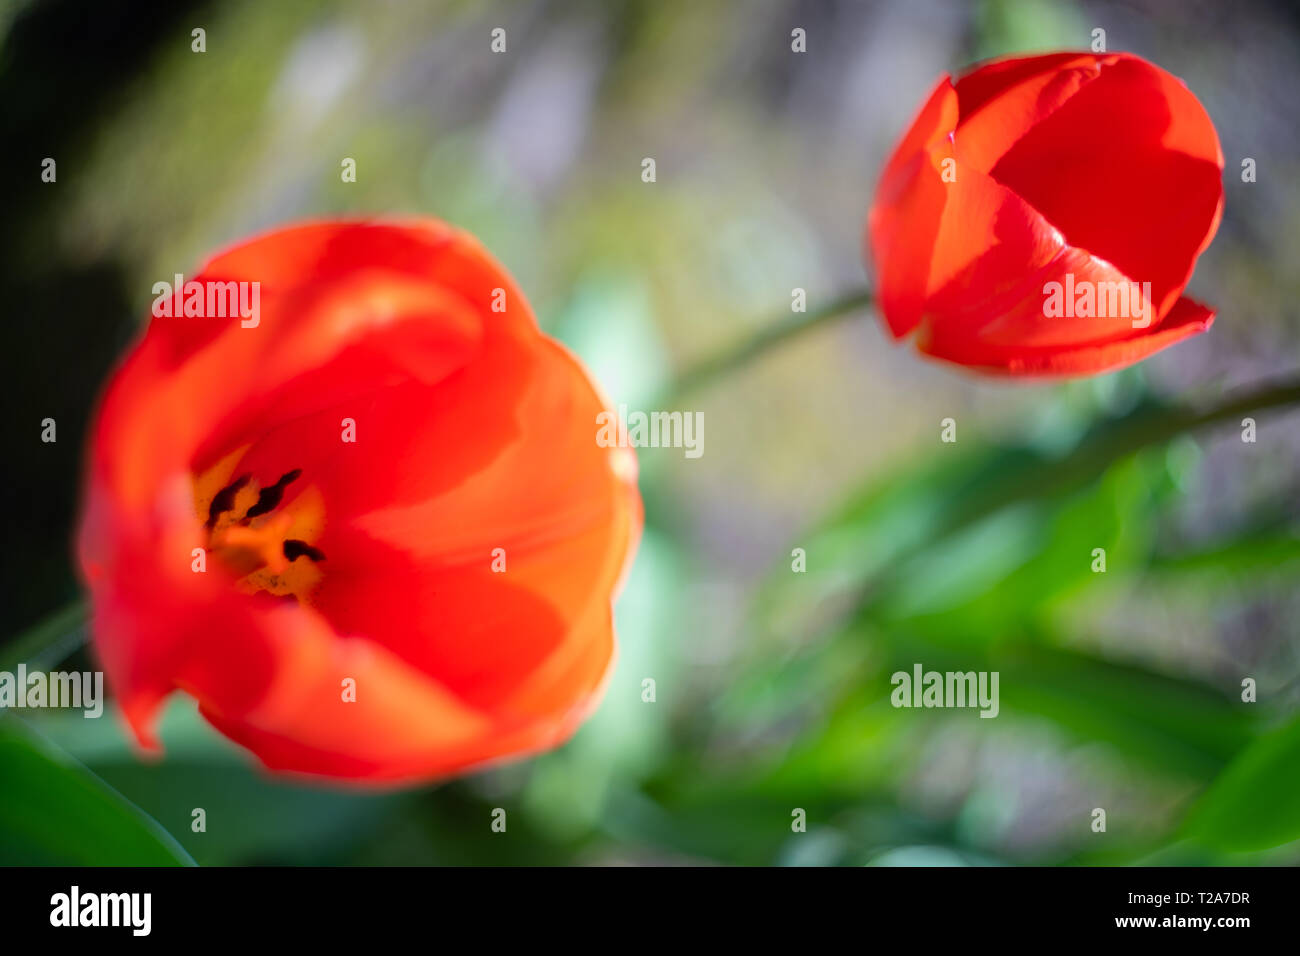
x=1031 y=199
x=239 y=545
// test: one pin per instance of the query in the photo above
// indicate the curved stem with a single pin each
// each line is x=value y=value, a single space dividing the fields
x=49 y=641
x=1107 y=443
x=1273 y=396
x=798 y=323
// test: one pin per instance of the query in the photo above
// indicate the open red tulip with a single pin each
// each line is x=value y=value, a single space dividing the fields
x=1043 y=214
x=369 y=529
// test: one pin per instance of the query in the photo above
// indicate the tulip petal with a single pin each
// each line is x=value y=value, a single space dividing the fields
x=1003 y=101
x=994 y=261
x=563 y=534
x=307 y=719
x=1130 y=169
x=1187 y=318
x=905 y=215
x=1012 y=76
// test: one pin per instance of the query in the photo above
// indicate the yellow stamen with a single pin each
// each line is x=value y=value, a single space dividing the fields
x=273 y=549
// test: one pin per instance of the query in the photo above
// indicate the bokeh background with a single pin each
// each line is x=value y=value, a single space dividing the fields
x=1118 y=690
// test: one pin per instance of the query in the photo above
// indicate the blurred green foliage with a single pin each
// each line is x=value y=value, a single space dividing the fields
x=1119 y=690
x=53 y=812
x=970 y=564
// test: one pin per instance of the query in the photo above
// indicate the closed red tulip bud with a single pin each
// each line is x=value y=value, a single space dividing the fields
x=1043 y=215
x=347 y=495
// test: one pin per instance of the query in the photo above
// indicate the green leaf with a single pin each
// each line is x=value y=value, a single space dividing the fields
x=250 y=817
x=868 y=548
x=1243 y=559
x=54 y=812
x=1165 y=722
x=1253 y=804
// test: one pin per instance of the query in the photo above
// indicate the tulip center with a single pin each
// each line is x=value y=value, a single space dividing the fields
x=262 y=533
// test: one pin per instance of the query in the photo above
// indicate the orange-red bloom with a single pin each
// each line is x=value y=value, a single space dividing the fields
x=283 y=516
x=1099 y=173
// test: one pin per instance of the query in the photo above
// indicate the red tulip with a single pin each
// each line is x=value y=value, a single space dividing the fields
x=369 y=529
x=1100 y=171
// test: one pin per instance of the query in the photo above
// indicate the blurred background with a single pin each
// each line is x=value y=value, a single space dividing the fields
x=1119 y=691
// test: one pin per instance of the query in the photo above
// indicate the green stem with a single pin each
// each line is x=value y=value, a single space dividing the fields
x=1274 y=396
x=776 y=333
x=1109 y=442
x=48 y=642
